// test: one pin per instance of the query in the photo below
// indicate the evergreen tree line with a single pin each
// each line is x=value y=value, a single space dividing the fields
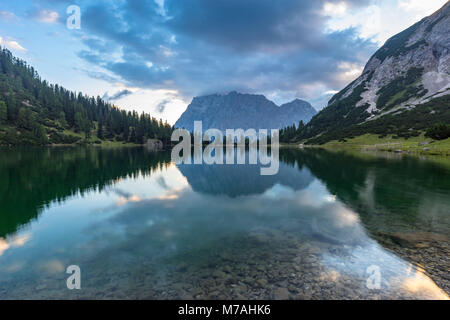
x=439 y=131
x=291 y=133
x=432 y=117
x=44 y=111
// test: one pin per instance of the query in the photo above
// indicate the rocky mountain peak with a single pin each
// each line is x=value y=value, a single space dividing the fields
x=418 y=57
x=241 y=110
x=403 y=90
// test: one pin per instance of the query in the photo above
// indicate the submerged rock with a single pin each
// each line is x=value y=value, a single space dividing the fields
x=416 y=239
x=281 y=294
x=154 y=145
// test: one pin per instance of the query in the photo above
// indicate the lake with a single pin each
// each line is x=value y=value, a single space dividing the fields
x=329 y=225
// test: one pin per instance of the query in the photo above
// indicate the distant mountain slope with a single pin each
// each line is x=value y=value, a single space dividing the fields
x=408 y=76
x=237 y=110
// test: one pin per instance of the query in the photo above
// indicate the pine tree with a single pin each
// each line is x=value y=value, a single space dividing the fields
x=41 y=134
x=100 y=131
x=133 y=135
x=3 y=112
x=11 y=106
x=62 y=119
x=78 y=122
x=126 y=132
x=21 y=118
x=86 y=127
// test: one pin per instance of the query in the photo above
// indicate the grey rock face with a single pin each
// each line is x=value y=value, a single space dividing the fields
x=424 y=46
x=295 y=111
x=236 y=110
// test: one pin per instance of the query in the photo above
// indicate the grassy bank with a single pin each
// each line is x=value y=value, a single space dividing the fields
x=371 y=142
x=93 y=140
x=11 y=136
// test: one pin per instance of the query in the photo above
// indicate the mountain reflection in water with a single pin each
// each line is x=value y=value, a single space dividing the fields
x=141 y=227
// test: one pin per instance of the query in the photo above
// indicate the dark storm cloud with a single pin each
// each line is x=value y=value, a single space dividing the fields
x=252 y=24
x=118 y=95
x=162 y=105
x=203 y=46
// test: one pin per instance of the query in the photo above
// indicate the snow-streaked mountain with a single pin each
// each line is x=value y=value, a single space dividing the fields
x=410 y=69
x=423 y=50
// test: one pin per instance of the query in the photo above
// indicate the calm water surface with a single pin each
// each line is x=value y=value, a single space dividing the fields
x=327 y=226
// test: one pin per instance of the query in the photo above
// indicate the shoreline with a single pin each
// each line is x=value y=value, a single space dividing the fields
x=366 y=148
x=419 y=146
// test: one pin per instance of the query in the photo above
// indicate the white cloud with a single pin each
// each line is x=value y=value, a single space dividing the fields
x=420 y=8
x=425 y=7
x=11 y=44
x=161 y=8
x=4 y=245
x=381 y=21
x=150 y=101
x=15 y=45
x=349 y=71
x=47 y=16
x=7 y=16
x=18 y=241
x=332 y=9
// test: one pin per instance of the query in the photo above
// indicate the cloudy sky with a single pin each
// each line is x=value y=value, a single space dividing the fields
x=155 y=55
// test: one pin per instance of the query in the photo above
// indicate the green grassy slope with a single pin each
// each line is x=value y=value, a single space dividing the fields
x=371 y=142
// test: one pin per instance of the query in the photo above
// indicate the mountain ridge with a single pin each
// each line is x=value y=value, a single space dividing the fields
x=243 y=110
x=406 y=80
